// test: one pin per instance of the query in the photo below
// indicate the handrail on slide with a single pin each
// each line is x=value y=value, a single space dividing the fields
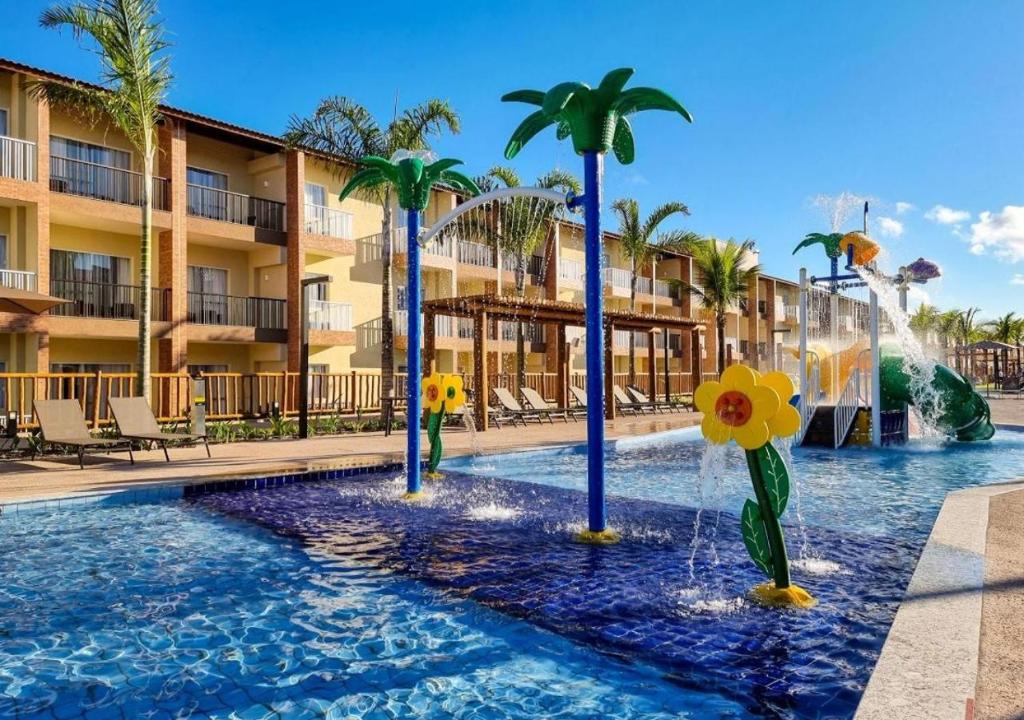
x=809 y=395
x=846 y=408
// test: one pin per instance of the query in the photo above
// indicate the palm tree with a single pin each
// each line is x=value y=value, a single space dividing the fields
x=521 y=227
x=1002 y=328
x=924 y=320
x=342 y=128
x=965 y=331
x=726 y=269
x=946 y=325
x=134 y=81
x=640 y=244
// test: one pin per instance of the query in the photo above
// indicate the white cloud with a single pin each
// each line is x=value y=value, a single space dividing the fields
x=890 y=227
x=1018 y=279
x=947 y=215
x=1001 y=233
x=904 y=207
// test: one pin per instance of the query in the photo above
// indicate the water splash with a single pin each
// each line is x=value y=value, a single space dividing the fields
x=493 y=511
x=819 y=566
x=712 y=464
x=919 y=367
x=839 y=208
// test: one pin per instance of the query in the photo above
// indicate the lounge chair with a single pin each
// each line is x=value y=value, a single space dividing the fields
x=663 y=405
x=538 y=403
x=62 y=422
x=580 y=396
x=627 y=406
x=135 y=421
x=514 y=410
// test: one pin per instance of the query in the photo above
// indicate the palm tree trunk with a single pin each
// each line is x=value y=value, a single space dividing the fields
x=720 y=322
x=387 y=326
x=520 y=336
x=632 y=335
x=145 y=277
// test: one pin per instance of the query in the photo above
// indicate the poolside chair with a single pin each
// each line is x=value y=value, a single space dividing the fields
x=627 y=406
x=135 y=421
x=663 y=405
x=538 y=403
x=513 y=410
x=580 y=395
x=62 y=422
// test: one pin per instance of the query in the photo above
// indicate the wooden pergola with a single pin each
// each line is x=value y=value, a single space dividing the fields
x=1001 y=359
x=484 y=309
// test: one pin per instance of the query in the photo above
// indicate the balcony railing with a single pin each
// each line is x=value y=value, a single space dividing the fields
x=443 y=325
x=400 y=244
x=327 y=221
x=216 y=204
x=103 y=300
x=571 y=270
x=334 y=316
x=256 y=312
x=531 y=333
x=644 y=285
x=18 y=280
x=666 y=290
x=17 y=159
x=478 y=254
x=616 y=277
x=102 y=182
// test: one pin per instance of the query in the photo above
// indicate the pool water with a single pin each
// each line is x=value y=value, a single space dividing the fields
x=171 y=610
x=893 y=492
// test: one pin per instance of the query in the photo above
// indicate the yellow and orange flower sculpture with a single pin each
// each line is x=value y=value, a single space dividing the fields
x=747 y=407
x=441 y=394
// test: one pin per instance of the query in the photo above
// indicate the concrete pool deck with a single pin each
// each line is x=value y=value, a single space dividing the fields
x=50 y=478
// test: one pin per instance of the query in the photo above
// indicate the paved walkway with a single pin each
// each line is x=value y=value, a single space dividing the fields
x=61 y=477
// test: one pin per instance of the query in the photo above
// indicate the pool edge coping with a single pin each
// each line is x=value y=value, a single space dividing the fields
x=922 y=674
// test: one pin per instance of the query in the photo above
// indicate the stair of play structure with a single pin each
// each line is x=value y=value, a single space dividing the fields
x=821 y=428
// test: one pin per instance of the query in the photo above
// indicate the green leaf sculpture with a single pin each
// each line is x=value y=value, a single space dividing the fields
x=595 y=118
x=412 y=176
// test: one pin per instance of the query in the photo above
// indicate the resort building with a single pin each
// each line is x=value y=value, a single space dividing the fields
x=240 y=220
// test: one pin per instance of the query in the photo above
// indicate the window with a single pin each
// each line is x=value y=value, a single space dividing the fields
x=204 y=199
x=317 y=291
x=71 y=266
x=207 y=280
x=3 y=121
x=316 y=194
x=3 y=252
x=207 y=299
x=89 y=152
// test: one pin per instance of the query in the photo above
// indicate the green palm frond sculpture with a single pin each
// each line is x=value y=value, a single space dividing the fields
x=595 y=118
x=411 y=175
x=830 y=242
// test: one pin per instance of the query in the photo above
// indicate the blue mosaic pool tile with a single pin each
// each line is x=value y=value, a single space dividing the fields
x=635 y=599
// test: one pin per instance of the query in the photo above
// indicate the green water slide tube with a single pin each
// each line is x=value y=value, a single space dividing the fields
x=965 y=414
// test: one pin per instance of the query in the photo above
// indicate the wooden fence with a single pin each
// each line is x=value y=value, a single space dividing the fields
x=234 y=396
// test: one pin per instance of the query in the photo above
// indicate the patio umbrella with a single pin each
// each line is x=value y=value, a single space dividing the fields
x=26 y=302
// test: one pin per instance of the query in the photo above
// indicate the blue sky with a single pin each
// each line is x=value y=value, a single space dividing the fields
x=917 y=105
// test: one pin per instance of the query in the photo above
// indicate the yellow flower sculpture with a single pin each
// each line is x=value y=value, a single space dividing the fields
x=433 y=392
x=454 y=395
x=751 y=409
x=747 y=407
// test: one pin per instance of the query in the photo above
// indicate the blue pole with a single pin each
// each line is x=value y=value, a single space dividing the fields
x=593 y=169
x=414 y=363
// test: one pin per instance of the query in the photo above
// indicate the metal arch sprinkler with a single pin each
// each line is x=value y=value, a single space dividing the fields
x=413 y=174
x=596 y=120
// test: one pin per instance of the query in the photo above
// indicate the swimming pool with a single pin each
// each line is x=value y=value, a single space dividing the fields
x=336 y=599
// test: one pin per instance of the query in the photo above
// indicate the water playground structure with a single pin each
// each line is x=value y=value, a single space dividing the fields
x=861 y=392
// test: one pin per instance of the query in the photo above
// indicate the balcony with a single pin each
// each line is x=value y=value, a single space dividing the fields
x=101 y=182
x=103 y=300
x=437 y=248
x=618 y=279
x=327 y=221
x=331 y=316
x=570 y=270
x=666 y=290
x=216 y=204
x=18 y=280
x=17 y=159
x=642 y=340
x=472 y=253
x=255 y=312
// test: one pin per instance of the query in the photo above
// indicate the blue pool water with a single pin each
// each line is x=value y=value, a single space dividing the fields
x=171 y=610
x=336 y=599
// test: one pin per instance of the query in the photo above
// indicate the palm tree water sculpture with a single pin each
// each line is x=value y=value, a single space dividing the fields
x=597 y=121
x=413 y=174
x=135 y=78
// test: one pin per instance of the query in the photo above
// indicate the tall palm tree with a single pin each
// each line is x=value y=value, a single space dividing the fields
x=522 y=226
x=946 y=326
x=1002 y=328
x=342 y=128
x=726 y=269
x=640 y=243
x=924 y=320
x=965 y=331
x=134 y=81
